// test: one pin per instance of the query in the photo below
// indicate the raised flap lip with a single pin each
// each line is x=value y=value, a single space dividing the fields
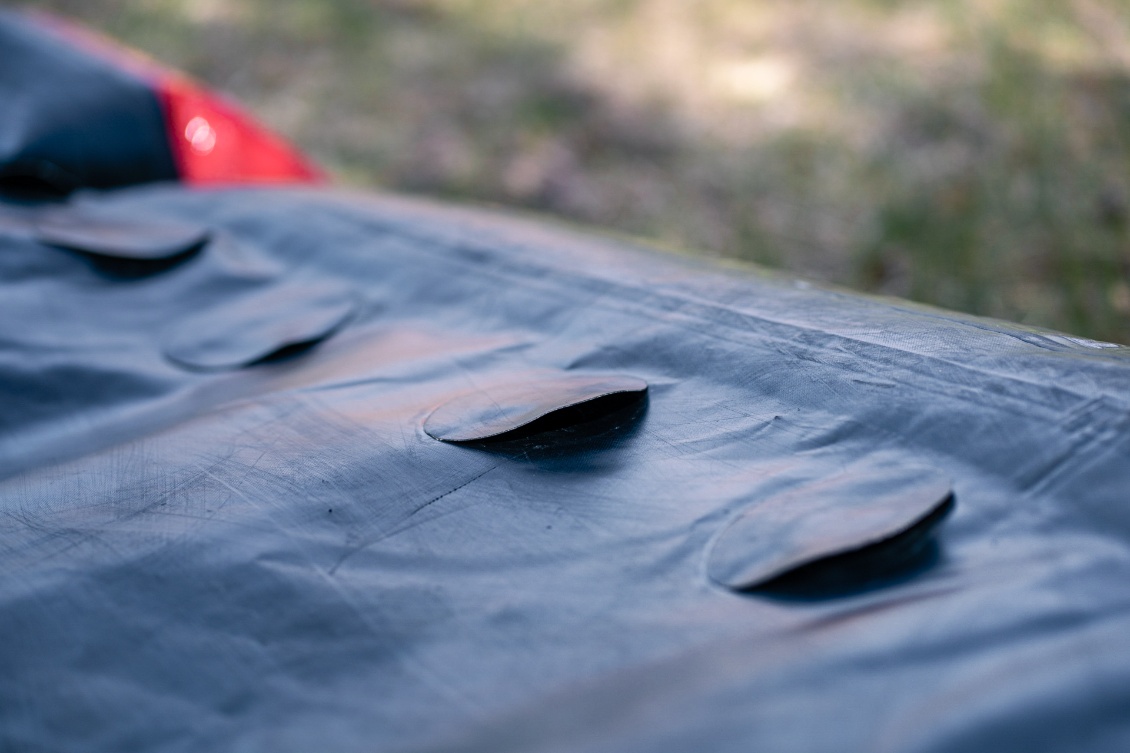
x=256 y=326
x=869 y=502
x=116 y=237
x=496 y=410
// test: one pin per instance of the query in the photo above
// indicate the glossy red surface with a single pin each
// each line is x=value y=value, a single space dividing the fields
x=214 y=141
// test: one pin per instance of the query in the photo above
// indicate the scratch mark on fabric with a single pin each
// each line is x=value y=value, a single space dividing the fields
x=406 y=523
x=452 y=491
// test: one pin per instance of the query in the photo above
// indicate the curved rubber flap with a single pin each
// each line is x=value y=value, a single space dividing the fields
x=498 y=411
x=872 y=502
x=278 y=321
x=117 y=238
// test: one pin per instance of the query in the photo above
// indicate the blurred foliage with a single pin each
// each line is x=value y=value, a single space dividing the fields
x=967 y=153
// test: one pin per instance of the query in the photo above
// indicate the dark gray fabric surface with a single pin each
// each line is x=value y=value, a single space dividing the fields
x=70 y=119
x=279 y=557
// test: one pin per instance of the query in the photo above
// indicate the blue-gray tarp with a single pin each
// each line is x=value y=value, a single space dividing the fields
x=298 y=469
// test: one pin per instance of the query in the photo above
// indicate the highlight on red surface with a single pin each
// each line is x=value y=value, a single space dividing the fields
x=212 y=140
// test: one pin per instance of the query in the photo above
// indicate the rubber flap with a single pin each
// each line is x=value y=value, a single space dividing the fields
x=257 y=327
x=871 y=503
x=117 y=238
x=496 y=412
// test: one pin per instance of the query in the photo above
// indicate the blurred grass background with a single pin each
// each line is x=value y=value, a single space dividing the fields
x=968 y=153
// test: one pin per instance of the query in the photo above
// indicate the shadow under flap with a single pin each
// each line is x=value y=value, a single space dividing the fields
x=539 y=404
x=121 y=245
x=277 y=322
x=870 y=522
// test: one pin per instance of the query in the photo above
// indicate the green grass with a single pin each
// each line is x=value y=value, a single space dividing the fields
x=969 y=153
